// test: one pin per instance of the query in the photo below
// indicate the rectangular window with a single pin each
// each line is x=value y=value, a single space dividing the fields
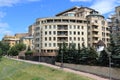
x=70 y=38
x=54 y=32
x=74 y=33
x=70 y=27
x=45 y=38
x=49 y=26
x=82 y=27
x=70 y=32
x=74 y=27
x=54 y=27
x=78 y=27
x=49 y=38
x=78 y=33
x=78 y=38
x=54 y=44
x=82 y=33
x=45 y=32
x=45 y=26
x=54 y=38
x=49 y=44
x=74 y=38
x=49 y=32
x=45 y=44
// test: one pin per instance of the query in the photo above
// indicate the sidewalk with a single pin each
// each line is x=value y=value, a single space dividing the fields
x=66 y=69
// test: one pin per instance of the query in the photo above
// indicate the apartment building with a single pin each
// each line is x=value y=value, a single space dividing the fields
x=79 y=25
x=115 y=24
x=31 y=30
x=11 y=40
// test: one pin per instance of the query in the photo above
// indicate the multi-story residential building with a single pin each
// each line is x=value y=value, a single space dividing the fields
x=115 y=25
x=80 y=25
x=11 y=40
x=20 y=35
x=31 y=30
x=28 y=41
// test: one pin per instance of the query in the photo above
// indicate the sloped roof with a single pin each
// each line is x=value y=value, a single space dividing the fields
x=100 y=43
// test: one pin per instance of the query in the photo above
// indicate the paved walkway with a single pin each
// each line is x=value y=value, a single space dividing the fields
x=66 y=69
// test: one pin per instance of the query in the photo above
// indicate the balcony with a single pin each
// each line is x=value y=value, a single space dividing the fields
x=62 y=28
x=93 y=23
x=62 y=35
x=61 y=40
x=95 y=35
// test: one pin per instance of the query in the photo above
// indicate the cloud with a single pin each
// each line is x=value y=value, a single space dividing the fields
x=2 y=14
x=105 y=6
x=80 y=0
x=9 y=3
x=4 y=28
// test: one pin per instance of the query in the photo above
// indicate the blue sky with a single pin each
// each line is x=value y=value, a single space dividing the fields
x=17 y=15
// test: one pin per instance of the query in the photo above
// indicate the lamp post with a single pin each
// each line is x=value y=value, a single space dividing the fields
x=62 y=56
x=110 y=66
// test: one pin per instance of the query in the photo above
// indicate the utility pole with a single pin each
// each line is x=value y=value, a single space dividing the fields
x=110 y=66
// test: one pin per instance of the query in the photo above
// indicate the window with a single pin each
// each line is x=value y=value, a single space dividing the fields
x=78 y=33
x=45 y=44
x=82 y=33
x=49 y=44
x=74 y=27
x=82 y=27
x=70 y=27
x=45 y=27
x=74 y=38
x=49 y=32
x=70 y=38
x=88 y=33
x=54 y=32
x=74 y=33
x=82 y=39
x=54 y=27
x=78 y=38
x=54 y=44
x=78 y=27
x=54 y=38
x=96 y=21
x=49 y=38
x=49 y=26
x=70 y=33
x=45 y=38
x=45 y=32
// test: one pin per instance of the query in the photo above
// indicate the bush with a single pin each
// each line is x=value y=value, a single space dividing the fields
x=28 y=53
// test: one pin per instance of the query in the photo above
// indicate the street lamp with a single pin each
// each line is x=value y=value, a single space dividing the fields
x=61 y=56
x=109 y=66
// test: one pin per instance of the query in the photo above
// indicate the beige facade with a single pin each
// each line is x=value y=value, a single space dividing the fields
x=28 y=41
x=11 y=40
x=31 y=30
x=78 y=25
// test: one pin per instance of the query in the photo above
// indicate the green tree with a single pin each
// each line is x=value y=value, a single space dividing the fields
x=4 y=47
x=28 y=52
x=104 y=58
x=0 y=54
x=13 y=51
x=20 y=46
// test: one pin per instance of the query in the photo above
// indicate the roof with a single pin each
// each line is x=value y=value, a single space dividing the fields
x=100 y=43
x=73 y=8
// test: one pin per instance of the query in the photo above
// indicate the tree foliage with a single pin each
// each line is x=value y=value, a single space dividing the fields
x=20 y=46
x=13 y=51
x=4 y=47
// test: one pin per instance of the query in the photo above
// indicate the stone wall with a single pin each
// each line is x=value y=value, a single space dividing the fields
x=102 y=71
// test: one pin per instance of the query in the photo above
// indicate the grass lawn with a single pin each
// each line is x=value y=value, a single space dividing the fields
x=15 y=70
